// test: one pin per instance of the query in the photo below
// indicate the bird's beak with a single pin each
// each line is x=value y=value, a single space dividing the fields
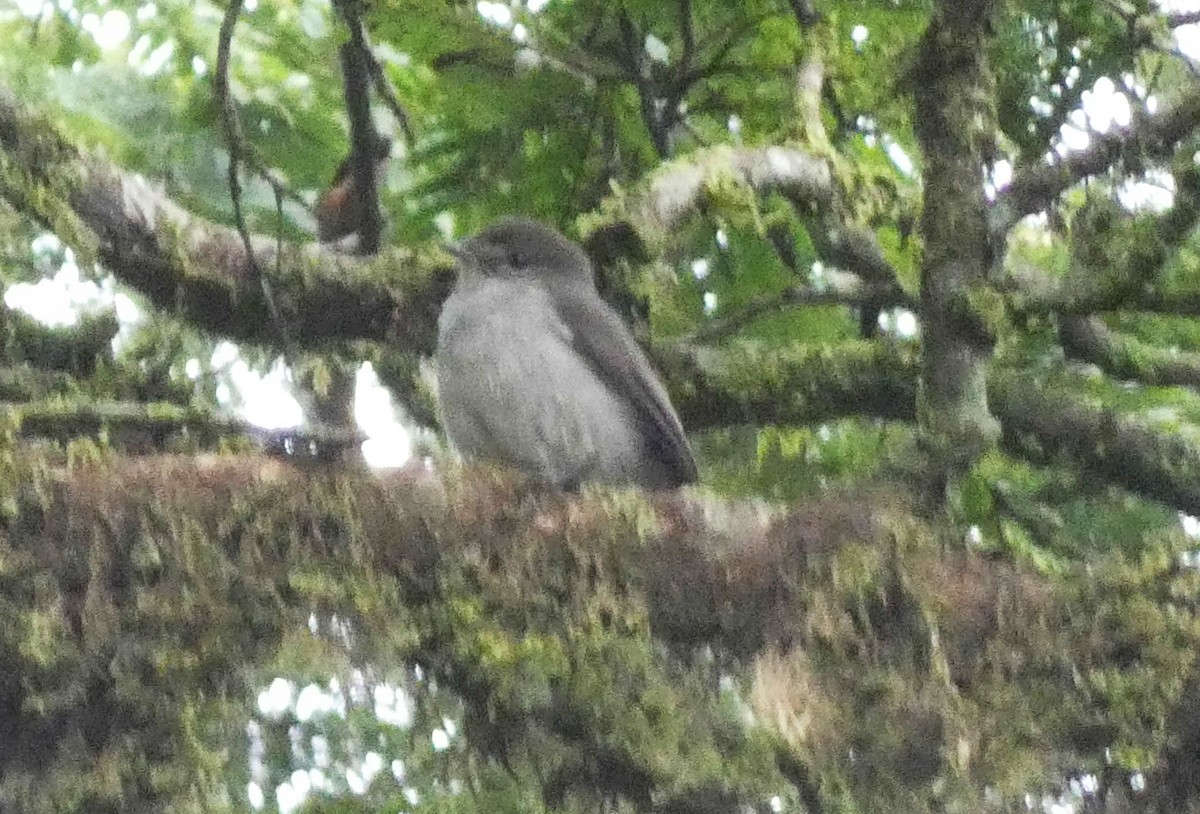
x=458 y=250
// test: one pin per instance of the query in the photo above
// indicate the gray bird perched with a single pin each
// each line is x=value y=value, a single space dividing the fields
x=535 y=371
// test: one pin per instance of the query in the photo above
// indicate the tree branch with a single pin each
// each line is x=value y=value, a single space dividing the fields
x=139 y=427
x=648 y=218
x=1159 y=466
x=840 y=289
x=747 y=383
x=638 y=73
x=1118 y=261
x=64 y=420
x=717 y=64
x=382 y=86
x=687 y=34
x=955 y=125
x=851 y=248
x=235 y=144
x=23 y=384
x=1180 y=18
x=239 y=150
x=1034 y=187
x=464 y=554
x=356 y=83
x=680 y=188
x=805 y=13
x=1125 y=358
x=200 y=271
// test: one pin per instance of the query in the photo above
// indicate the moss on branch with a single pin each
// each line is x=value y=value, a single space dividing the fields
x=140 y=594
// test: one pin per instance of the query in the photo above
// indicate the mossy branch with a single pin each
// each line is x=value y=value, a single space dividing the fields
x=875 y=661
x=200 y=271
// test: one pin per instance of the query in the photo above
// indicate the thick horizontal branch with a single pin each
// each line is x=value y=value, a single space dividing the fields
x=568 y=625
x=1122 y=357
x=1054 y=422
x=1033 y=188
x=200 y=270
x=749 y=383
x=72 y=349
x=746 y=383
x=138 y=427
x=65 y=420
x=23 y=383
x=491 y=578
x=1050 y=296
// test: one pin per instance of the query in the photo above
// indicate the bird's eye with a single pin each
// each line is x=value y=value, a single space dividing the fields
x=516 y=259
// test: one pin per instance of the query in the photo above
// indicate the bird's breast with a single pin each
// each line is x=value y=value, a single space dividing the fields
x=514 y=389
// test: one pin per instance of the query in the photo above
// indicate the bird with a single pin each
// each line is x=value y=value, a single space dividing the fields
x=535 y=371
x=340 y=209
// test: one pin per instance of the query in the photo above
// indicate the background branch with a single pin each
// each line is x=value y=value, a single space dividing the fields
x=637 y=72
x=200 y=271
x=1034 y=187
x=650 y=216
x=1118 y=260
x=239 y=150
x=838 y=289
x=356 y=83
x=1159 y=466
x=234 y=143
x=746 y=383
x=1089 y=339
x=1176 y=19
x=382 y=86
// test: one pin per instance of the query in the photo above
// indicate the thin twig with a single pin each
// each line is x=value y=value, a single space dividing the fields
x=234 y=144
x=273 y=179
x=851 y=293
x=382 y=86
x=237 y=144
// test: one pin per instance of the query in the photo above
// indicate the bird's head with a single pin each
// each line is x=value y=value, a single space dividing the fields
x=522 y=249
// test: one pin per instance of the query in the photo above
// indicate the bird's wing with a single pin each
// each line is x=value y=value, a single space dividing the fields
x=602 y=339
